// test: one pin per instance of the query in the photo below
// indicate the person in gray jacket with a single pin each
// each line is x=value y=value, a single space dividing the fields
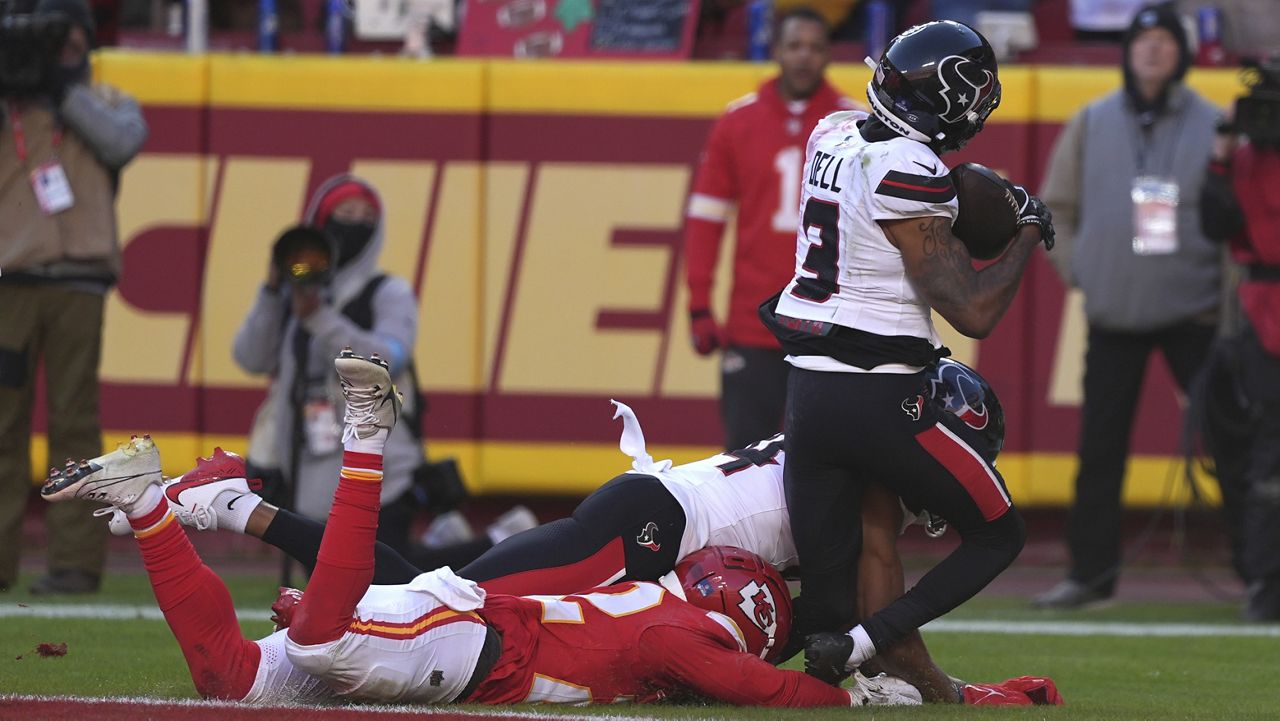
x=1124 y=185
x=324 y=292
x=63 y=145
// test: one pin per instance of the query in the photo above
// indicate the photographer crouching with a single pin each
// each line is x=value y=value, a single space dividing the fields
x=1240 y=204
x=63 y=143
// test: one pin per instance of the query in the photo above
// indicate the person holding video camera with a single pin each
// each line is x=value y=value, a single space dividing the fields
x=63 y=143
x=1240 y=204
x=324 y=292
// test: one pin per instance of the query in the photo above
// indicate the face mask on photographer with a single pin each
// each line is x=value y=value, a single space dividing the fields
x=351 y=237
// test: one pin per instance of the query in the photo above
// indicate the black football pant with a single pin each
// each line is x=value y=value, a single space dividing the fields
x=628 y=529
x=1114 y=367
x=753 y=394
x=847 y=430
x=1246 y=449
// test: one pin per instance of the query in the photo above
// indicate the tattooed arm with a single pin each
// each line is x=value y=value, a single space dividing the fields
x=940 y=268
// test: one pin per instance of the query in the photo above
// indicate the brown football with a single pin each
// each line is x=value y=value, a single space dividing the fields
x=988 y=217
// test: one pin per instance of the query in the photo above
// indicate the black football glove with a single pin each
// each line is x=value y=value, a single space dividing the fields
x=825 y=655
x=1033 y=211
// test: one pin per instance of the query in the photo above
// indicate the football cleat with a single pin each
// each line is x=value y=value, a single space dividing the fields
x=373 y=404
x=286 y=605
x=826 y=655
x=447 y=529
x=191 y=495
x=517 y=520
x=118 y=478
x=883 y=690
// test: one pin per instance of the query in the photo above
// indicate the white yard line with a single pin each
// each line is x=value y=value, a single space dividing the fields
x=103 y=611
x=443 y=710
x=1102 y=628
x=106 y=611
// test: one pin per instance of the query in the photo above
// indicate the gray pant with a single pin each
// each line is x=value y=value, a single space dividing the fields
x=60 y=328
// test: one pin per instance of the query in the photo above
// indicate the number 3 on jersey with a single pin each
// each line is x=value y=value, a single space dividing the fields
x=823 y=255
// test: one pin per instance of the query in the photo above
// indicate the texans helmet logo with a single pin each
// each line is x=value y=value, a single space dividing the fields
x=965 y=86
x=758 y=605
x=974 y=418
x=648 y=537
x=961 y=394
x=914 y=407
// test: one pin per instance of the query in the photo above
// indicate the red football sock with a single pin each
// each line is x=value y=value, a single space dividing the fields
x=197 y=607
x=344 y=565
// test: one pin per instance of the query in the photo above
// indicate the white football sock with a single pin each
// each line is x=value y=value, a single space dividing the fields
x=373 y=444
x=234 y=508
x=863 y=648
x=146 y=503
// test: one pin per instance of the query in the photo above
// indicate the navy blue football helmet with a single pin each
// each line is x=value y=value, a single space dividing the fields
x=959 y=390
x=936 y=83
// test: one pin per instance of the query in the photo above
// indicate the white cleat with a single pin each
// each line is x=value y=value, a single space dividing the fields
x=447 y=529
x=191 y=496
x=516 y=520
x=118 y=478
x=883 y=690
x=372 y=401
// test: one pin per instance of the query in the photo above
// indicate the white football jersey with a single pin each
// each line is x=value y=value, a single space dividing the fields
x=730 y=499
x=411 y=643
x=735 y=499
x=847 y=271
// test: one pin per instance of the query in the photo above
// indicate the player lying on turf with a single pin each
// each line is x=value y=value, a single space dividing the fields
x=623 y=530
x=440 y=638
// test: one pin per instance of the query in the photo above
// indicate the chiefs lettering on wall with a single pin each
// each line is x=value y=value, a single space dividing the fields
x=536 y=208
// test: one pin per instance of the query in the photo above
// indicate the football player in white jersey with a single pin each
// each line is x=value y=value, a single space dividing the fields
x=640 y=525
x=874 y=255
x=439 y=638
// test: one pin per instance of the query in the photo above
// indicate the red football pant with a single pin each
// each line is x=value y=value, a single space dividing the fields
x=344 y=565
x=198 y=609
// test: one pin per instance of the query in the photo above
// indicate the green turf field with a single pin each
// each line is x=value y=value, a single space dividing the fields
x=1101 y=676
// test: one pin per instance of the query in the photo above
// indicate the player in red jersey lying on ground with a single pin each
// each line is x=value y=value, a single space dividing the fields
x=625 y=530
x=439 y=638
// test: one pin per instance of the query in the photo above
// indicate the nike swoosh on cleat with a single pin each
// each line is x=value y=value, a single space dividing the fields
x=231 y=503
x=112 y=481
x=174 y=491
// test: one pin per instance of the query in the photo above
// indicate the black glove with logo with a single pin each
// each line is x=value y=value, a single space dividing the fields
x=1033 y=211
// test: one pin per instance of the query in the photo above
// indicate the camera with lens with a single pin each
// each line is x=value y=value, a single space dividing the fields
x=29 y=48
x=304 y=255
x=1258 y=113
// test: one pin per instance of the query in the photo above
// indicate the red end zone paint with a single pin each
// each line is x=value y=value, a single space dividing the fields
x=73 y=708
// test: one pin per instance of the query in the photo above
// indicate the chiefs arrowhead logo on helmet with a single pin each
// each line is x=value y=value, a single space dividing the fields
x=741 y=586
x=758 y=605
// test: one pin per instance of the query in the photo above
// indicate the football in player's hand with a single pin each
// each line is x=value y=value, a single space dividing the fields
x=988 y=217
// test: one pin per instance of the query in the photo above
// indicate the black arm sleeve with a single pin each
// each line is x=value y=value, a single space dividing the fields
x=300 y=536
x=1220 y=214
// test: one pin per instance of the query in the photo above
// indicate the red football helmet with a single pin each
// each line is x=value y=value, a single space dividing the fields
x=740 y=585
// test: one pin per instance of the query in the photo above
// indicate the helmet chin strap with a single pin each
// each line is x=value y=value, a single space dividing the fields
x=894 y=122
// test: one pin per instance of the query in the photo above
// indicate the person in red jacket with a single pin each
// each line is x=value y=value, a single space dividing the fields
x=1240 y=204
x=753 y=159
